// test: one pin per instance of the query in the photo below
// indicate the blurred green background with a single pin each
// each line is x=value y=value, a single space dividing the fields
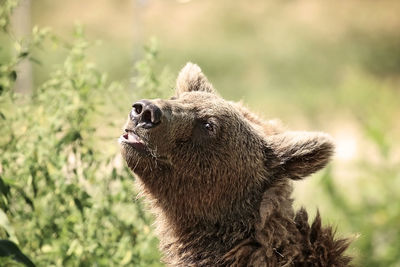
x=69 y=71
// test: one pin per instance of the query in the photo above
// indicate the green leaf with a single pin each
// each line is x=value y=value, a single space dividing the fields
x=13 y=75
x=23 y=54
x=10 y=249
x=4 y=187
x=5 y=223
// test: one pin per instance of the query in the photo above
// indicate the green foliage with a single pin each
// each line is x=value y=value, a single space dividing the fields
x=370 y=209
x=9 y=252
x=374 y=218
x=63 y=200
x=6 y=8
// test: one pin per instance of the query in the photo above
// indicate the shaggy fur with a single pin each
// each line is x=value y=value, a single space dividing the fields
x=219 y=180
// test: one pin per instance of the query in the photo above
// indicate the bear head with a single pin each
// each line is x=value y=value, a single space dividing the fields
x=202 y=158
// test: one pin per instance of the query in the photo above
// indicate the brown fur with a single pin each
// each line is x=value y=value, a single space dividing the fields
x=222 y=195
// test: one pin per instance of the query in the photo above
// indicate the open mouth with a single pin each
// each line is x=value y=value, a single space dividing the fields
x=133 y=140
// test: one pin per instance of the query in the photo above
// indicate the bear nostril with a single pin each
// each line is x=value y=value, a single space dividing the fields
x=146 y=116
x=138 y=108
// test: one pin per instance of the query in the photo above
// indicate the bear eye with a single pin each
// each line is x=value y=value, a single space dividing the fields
x=208 y=126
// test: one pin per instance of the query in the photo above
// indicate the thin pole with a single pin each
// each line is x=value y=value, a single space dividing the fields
x=21 y=25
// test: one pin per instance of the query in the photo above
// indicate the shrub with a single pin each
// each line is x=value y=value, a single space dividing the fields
x=63 y=200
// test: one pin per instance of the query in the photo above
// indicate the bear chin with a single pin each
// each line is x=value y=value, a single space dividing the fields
x=133 y=153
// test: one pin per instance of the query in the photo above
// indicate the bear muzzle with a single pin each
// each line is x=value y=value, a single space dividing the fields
x=144 y=116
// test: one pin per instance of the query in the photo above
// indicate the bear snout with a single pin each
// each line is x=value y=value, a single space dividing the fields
x=146 y=114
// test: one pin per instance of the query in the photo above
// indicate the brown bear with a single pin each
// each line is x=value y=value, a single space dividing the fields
x=219 y=181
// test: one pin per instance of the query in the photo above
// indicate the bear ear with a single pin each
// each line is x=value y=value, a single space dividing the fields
x=191 y=78
x=296 y=155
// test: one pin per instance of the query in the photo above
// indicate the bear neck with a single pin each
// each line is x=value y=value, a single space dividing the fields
x=189 y=240
x=188 y=201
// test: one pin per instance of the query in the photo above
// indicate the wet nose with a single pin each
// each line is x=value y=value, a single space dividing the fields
x=147 y=114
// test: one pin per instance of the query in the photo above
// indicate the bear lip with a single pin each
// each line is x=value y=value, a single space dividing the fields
x=132 y=139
